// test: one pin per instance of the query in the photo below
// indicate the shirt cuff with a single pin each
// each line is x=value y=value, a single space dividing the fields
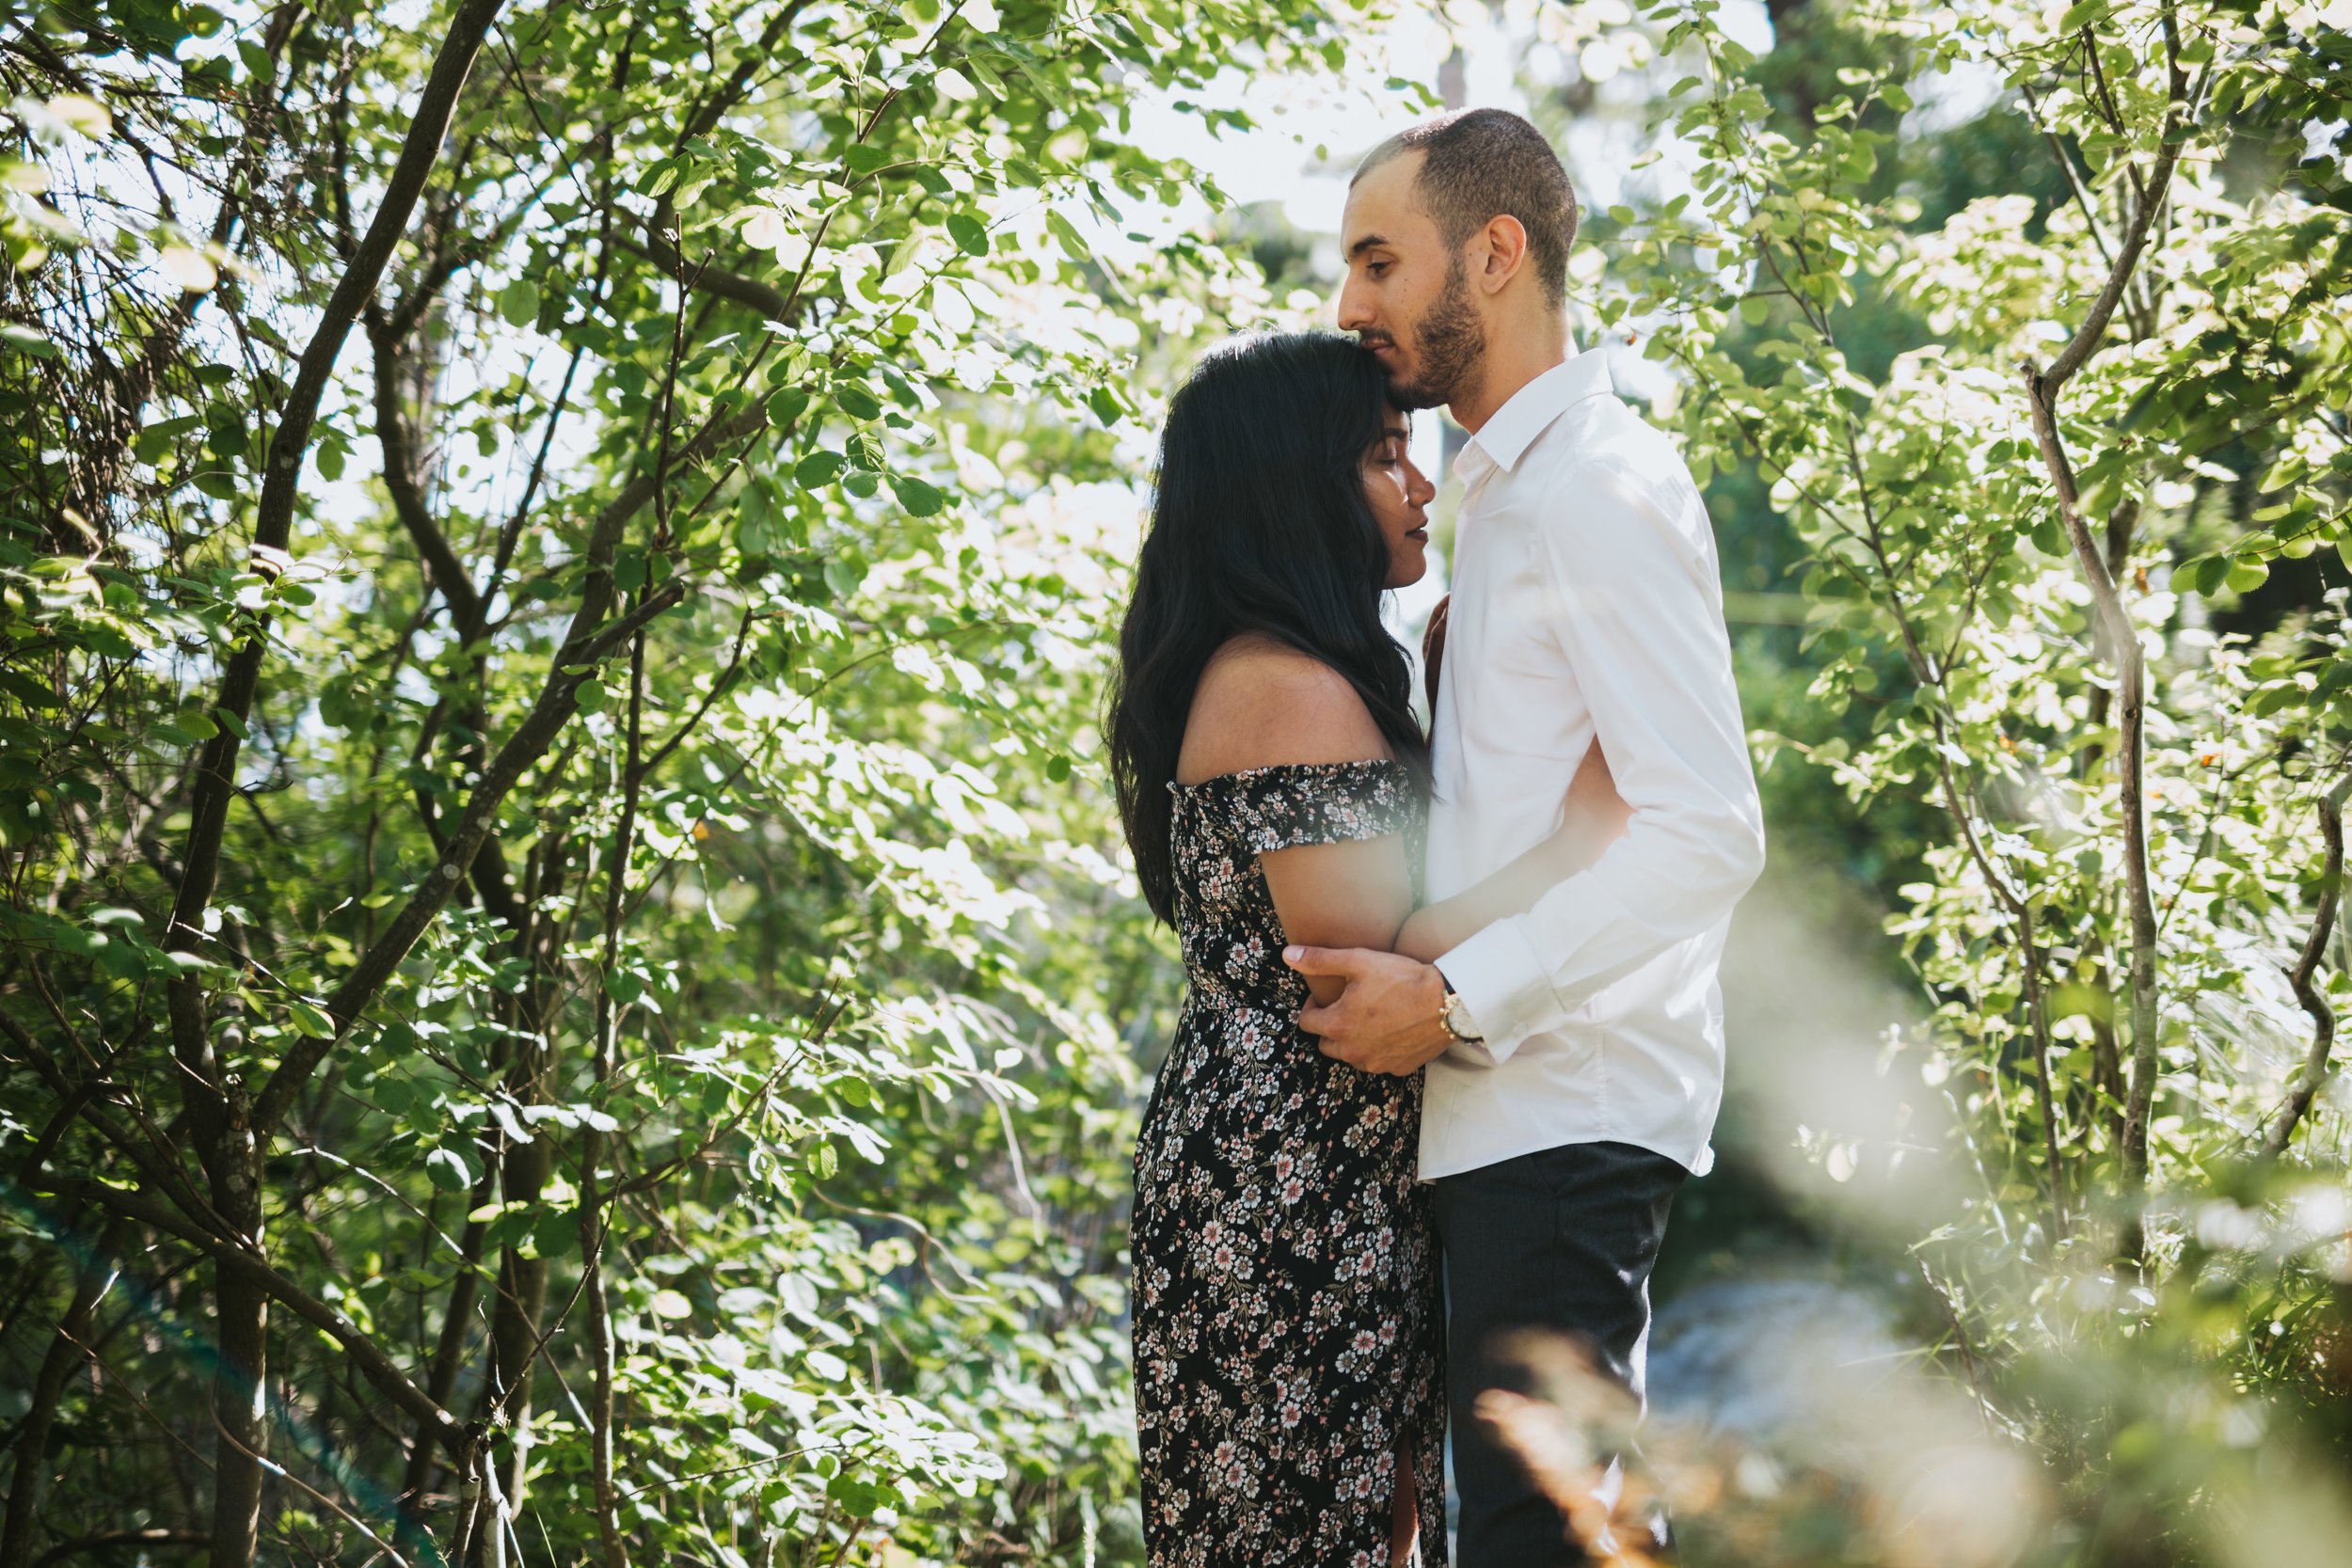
x=1504 y=985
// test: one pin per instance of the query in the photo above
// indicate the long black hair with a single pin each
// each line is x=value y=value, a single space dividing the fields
x=1259 y=525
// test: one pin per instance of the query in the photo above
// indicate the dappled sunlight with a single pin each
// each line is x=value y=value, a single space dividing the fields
x=571 y=988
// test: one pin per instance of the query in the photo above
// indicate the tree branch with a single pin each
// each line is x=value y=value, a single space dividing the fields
x=559 y=700
x=366 y=1357
x=2314 y=1073
x=765 y=298
x=2084 y=342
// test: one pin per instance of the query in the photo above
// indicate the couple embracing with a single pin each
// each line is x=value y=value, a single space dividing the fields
x=1452 y=1037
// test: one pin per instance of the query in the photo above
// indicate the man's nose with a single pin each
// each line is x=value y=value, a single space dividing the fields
x=1354 y=310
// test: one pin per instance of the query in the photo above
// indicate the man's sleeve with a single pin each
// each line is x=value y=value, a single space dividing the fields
x=1631 y=564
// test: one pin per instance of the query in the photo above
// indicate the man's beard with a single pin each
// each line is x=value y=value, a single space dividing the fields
x=1450 y=346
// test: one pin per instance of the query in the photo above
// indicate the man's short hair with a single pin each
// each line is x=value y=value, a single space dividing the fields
x=1481 y=164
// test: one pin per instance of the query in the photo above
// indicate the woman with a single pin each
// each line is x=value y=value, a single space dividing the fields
x=1272 y=781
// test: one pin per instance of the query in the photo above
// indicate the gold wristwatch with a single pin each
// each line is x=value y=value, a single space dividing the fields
x=1455 y=1014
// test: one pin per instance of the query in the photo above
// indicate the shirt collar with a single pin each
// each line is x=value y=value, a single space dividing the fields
x=1511 y=429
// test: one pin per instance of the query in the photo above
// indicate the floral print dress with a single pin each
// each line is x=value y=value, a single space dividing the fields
x=1288 y=1329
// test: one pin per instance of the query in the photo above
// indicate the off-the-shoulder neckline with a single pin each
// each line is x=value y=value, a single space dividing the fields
x=1176 y=789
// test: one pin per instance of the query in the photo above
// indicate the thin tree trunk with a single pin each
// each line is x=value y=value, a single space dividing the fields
x=522 y=1282
x=241 y=1338
x=448 y=1357
x=2131 y=695
x=593 y=1222
x=219 y=1116
x=2042 y=387
x=2030 y=963
x=65 y=1354
x=2313 y=1073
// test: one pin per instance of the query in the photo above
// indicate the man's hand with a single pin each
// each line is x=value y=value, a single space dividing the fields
x=1386 y=1020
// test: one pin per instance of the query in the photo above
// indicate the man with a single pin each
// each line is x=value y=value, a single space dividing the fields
x=1575 y=1052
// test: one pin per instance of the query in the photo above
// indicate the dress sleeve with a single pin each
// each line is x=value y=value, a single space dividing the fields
x=1323 y=803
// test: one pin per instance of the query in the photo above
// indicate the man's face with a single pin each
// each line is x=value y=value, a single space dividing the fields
x=1407 y=295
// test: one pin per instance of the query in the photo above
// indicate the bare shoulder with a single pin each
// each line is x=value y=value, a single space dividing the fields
x=1262 y=704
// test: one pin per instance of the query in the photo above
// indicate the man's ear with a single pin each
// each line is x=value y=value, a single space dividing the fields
x=1503 y=243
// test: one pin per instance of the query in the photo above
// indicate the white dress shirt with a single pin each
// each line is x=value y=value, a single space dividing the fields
x=1587 y=606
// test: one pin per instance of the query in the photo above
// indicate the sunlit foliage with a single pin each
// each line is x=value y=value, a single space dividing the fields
x=564 y=970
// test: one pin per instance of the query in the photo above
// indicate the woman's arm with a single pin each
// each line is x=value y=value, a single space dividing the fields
x=1353 y=894
x=1593 y=818
x=1259 y=705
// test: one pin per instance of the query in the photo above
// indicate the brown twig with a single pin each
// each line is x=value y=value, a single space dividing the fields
x=2313 y=1074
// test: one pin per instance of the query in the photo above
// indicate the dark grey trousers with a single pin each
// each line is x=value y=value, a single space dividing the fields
x=1562 y=1240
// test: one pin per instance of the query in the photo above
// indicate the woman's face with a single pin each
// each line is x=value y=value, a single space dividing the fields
x=1399 y=496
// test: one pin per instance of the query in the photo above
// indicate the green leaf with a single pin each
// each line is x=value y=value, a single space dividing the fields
x=984 y=73
x=864 y=159
x=857 y=402
x=311 y=1021
x=556 y=1234
x=518 y=303
x=1066 y=234
x=25 y=690
x=968 y=232
x=1058 y=768
x=624 y=985
x=156 y=440
x=784 y=405
x=2246 y=575
x=920 y=499
x=449 y=1170
x=27 y=341
x=1105 y=405
x=819 y=469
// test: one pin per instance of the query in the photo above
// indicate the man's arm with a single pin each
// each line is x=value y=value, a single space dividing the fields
x=1639 y=618
x=1386 y=1019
